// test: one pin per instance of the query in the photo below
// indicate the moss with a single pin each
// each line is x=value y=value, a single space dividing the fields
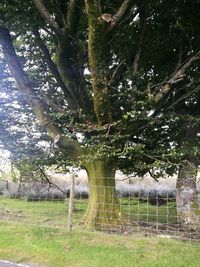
x=103 y=211
x=99 y=55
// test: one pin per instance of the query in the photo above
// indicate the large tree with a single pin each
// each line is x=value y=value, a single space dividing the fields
x=109 y=71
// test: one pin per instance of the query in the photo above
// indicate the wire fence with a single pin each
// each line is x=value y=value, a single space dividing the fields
x=100 y=206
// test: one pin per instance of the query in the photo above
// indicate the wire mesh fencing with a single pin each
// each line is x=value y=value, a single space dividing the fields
x=33 y=204
x=103 y=205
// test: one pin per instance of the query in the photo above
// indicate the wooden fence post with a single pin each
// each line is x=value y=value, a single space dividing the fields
x=71 y=204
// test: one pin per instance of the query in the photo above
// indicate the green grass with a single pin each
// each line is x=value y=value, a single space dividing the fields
x=56 y=248
x=54 y=213
x=144 y=211
x=49 y=213
x=21 y=240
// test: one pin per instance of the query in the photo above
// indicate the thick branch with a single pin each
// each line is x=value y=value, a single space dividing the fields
x=25 y=86
x=163 y=92
x=50 y=103
x=176 y=77
x=46 y=15
x=96 y=10
x=139 y=49
x=53 y=68
x=73 y=15
x=118 y=17
x=180 y=55
x=180 y=73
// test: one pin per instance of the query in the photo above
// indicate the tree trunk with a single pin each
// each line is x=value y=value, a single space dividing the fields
x=103 y=211
x=99 y=61
x=186 y=196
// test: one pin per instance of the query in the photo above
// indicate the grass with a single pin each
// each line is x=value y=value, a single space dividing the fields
x=23 y=240
x=49 y=213
x=52 y=247
x=54 y=213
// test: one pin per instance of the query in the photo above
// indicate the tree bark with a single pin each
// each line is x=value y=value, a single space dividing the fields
x=187 y=197
x=71 y=72
x=103 y=211
x=52 y=66
x=99 y=56
x=186 y=190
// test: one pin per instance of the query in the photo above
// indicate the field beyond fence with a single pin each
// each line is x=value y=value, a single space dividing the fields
x=148 y=212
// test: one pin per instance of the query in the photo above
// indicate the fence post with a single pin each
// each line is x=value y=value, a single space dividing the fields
x=71 y=204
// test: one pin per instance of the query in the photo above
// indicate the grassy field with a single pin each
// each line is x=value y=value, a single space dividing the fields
x=50 y=247
x=23 y=240
x=49 y=213
x=54 y=213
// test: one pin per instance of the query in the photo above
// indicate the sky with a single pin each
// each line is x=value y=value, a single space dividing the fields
x=5 y=164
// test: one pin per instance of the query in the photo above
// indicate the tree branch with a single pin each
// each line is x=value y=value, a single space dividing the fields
x=72 y=15
x=46 y=15
x=180 y=55
x=115 y=72
x=25 y=86
x=183 y=97
x=176 y=77
x=121 y=13
x=53 y=68
x=139 y=49
x=51 y=184
x=51 y=104
x=180 y=73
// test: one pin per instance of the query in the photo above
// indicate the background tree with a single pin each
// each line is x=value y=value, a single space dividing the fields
x=184 y=101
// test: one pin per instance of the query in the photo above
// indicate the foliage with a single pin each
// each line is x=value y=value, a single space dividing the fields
x=119 y=81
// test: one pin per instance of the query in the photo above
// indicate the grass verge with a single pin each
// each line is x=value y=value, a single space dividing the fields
x=51 y=247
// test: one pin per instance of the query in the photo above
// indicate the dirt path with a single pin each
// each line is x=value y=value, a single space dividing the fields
x=11 y=264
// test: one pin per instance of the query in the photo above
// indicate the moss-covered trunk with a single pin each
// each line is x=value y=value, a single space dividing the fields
x=103 y=211
x=99 y=62
x=186 y=196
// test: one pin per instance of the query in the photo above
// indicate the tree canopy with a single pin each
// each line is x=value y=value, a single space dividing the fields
x=111 y=82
